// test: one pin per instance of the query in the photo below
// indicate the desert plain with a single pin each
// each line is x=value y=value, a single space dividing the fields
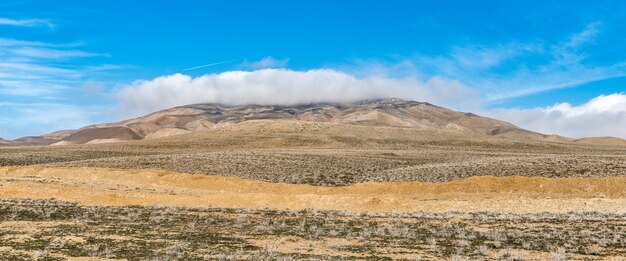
x=289 y=189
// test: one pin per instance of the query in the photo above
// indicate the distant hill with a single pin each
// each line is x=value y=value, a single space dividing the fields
x=603 y=141
x=4 y=142
x=380 y=112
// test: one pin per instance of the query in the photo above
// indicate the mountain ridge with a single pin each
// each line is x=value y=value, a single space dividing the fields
x=392 y=112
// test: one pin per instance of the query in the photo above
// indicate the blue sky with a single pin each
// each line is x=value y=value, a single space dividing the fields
x=544 y=65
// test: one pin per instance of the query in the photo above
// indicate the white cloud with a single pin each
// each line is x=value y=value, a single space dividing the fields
x=46 y=53
x=604 y=115
x=12 y=42
x=265 y=63
x=509 y=70
x=30 y=68
x=8 y=42
x=478 y=57
x=282 y=86
x=585 y=36
x=26 y=22
x=43 y=87
x=24 y=88
x=32 y=78
x=39 y=118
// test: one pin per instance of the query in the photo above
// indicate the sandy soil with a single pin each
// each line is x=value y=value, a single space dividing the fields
x=93 y=186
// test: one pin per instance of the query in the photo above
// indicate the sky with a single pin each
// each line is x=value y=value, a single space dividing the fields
x=557 y=67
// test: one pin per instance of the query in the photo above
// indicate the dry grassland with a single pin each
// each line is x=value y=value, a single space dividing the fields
x=56 y=230
x=267 y=190
x=326 y=154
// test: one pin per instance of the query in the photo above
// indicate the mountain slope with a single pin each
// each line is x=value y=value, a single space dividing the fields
x=198 y=117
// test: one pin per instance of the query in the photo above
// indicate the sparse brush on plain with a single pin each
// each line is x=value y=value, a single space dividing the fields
x=227 y=234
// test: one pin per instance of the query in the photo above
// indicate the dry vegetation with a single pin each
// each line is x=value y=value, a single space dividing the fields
x=330 y=154
x=321 y=154
x=57 y=230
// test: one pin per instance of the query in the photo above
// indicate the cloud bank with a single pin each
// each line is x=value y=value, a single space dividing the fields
x=604 y=115
x=282 y=87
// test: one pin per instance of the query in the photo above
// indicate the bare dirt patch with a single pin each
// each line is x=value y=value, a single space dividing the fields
x=93 y=186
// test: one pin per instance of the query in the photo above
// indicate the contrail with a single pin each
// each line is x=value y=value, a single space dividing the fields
x=208 y=65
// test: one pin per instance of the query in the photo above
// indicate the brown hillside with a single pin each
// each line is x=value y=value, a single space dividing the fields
x=382 y=112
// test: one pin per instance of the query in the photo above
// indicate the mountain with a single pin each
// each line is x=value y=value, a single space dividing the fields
x=380 y=112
